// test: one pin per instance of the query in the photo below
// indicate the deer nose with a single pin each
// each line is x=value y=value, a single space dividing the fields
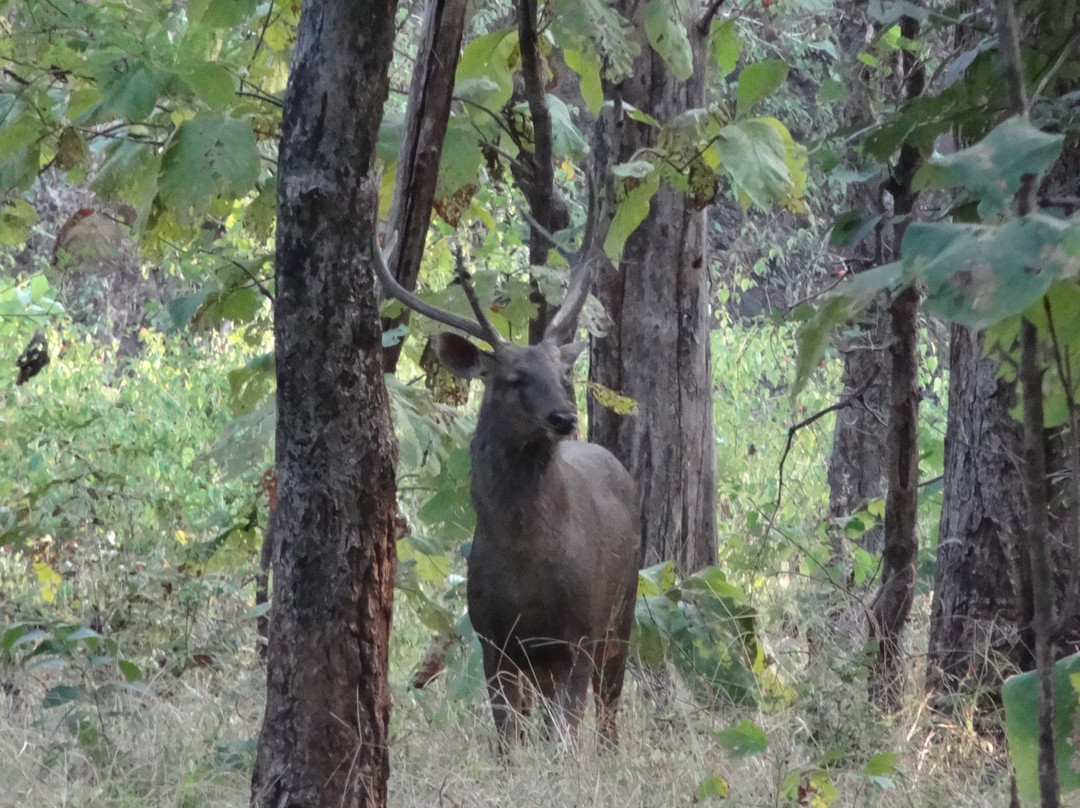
x=562 y=423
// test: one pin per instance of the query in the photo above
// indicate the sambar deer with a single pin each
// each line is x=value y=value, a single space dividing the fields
x=552 y=576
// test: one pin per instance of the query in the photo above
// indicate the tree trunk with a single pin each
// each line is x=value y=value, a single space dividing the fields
x=856 y=470
x=426 y=118
x=657 y=351
x=900 y=546
x=324 y=734
x=974 y=639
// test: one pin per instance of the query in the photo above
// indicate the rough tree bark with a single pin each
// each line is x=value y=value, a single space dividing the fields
x=426 y=118
x=657 y=351
x=981 y=622
x=978 y=589
x=324 y=733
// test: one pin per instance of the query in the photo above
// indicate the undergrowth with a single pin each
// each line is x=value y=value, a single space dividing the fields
x=130 y=674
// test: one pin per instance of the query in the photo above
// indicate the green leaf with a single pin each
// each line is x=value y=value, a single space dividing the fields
x=759 y=80
x=635 y=168
x=487 y=57
x=993 y=168
x=461 y=158
x=633 y=206
x=250 y=385
x=713 y=786
x=744 y=739
x=129 y=91
x=596 y=27
x=880 y=764
x=977 y=275
x=753 y=154
x=212 y=83
x=587 y=66
x=17 y=216
x=61 y=695
x=210 y=155
x=130 y=174
x=131 y=671
x=567 y=139
x=726 y=45
x=657 y=579
x=665 y=25
x=852 y=226
x=1020 y=696
x=19 y=125
x=227 y=13
x=842 y=305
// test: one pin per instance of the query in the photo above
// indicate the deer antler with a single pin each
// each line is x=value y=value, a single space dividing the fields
x=564 y=323
x=481 y=330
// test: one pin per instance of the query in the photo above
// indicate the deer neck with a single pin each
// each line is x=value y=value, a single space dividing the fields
x=508 y=477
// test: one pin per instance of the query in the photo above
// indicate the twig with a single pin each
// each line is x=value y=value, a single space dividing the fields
x=847 y=401
x=706 y=18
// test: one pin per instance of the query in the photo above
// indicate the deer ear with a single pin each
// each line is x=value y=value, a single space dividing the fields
x=462 y=357
x=570 y=352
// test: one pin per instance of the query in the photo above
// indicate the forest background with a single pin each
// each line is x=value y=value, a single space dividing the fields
x=838 y=249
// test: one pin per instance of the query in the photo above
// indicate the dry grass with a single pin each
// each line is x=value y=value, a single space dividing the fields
x=182 y=745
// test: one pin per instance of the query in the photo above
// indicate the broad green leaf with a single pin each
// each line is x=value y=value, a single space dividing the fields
x=635 y=168
x=129 y=91
x=587 y=66
x=212 y=83
x=210 y=155
x=1020 y=696
x=665 y=25
x=461 y=158
x=759 y=80
x=227 y=13
x=852 y=226
x=726 y=45
x=753 y=154
x=595 y=27
x=993 y=168
x=795 y=161
x=977 y=275
x=746 y=738
x=488 y=57
x=131 y=671
x=17 y=216
x=130 y=174
x=250 y=385
x=567 y=140
x=657 y=579
x=633 y=206
x=71 y=151
x=61 y=695
x=19 y=126
x=713 y=786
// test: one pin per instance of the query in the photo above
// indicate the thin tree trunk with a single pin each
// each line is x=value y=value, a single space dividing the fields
x=324 y=735
x=900 y=550
x=426 y=117
x=657 y=351
x=893 y=602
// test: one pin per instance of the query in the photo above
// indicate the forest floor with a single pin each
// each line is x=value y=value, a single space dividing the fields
x=188 y=742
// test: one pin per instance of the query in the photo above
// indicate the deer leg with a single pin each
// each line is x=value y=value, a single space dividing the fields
x=505 y=692
x=607 y=682
x=571 y=693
